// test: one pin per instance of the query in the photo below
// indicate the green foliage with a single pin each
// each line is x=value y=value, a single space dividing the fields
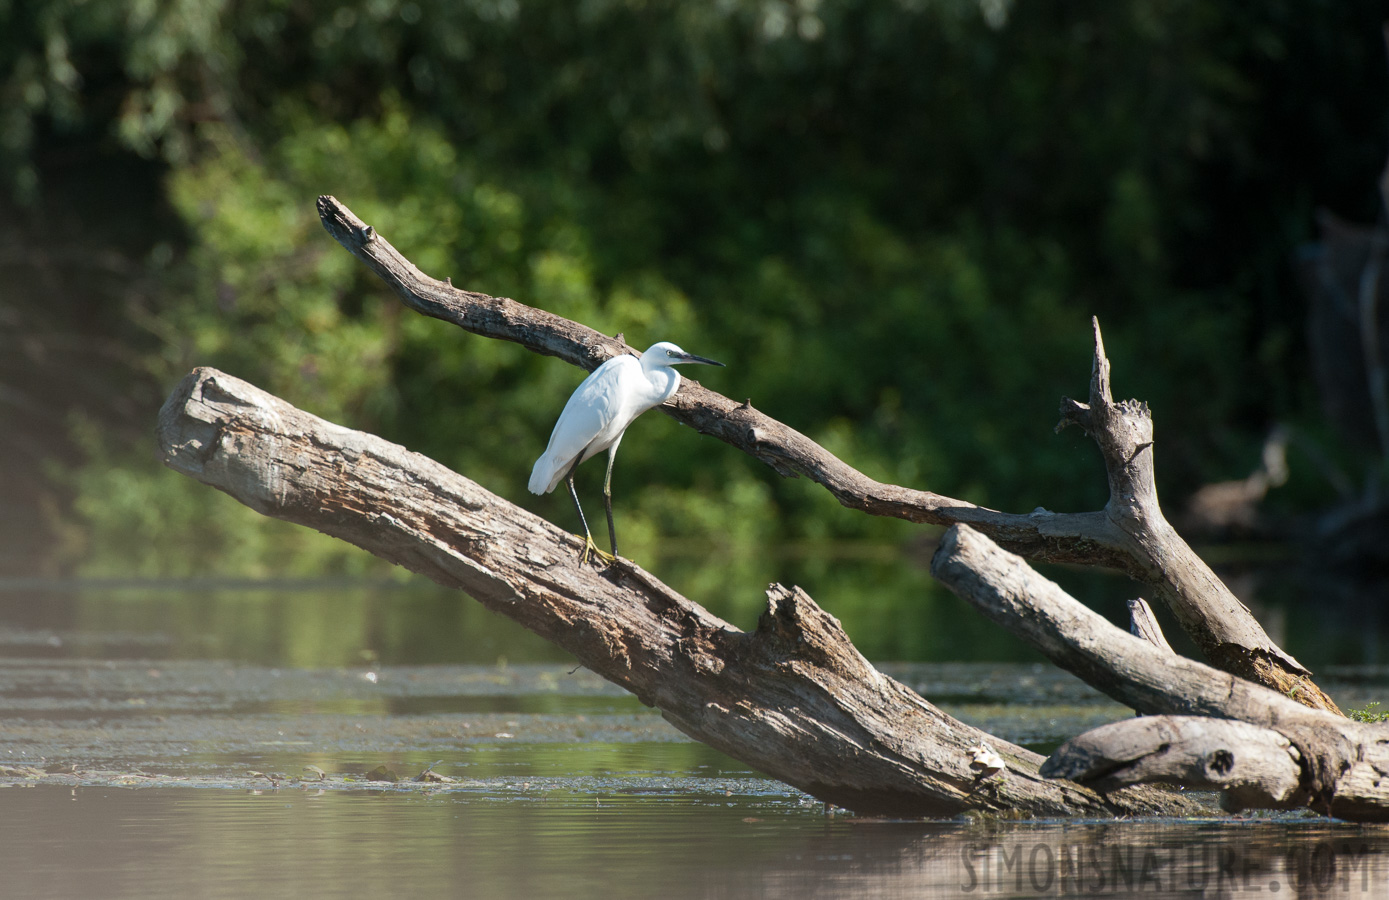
x=132 y=70
x=893 y=219
x=1368 y=713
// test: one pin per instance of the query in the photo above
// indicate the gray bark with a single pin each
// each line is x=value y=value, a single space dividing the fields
x=1144 y=624
x=1129 y=534
x=1341 y=761
x=1222 y=626
x=1253 y=767
x=793 y=698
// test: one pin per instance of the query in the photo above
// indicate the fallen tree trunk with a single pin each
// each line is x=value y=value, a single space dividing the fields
x=1340 y=762
x=1253 y=767
x=793 y=698
x=1129 y=534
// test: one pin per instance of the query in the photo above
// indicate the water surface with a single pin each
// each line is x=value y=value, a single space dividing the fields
x=752 y=840
x=369 y=741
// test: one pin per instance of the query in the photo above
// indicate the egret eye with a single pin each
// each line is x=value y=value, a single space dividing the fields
x=670 y=353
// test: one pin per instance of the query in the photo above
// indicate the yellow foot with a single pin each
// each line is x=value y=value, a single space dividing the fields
x=590 y=547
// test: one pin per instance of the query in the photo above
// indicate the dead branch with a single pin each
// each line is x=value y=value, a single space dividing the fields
x=1253 y=767
x=1341 y=761
x=1224 y=629
x=793 y=698
x=1129 y=534
x=1143 y=623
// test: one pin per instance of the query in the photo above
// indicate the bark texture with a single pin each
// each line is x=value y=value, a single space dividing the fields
x=1130 y=534
x=1341 y=761
x=793 y=698
x=1144 y=624
x=1224 y=629
x=1254 y=767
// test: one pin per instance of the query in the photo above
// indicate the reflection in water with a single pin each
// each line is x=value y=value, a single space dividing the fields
x=90 y=842
x=888 y=604
x=892 y=612
x=563 y=785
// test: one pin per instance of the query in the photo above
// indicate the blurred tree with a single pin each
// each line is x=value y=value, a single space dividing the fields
x=892 y=218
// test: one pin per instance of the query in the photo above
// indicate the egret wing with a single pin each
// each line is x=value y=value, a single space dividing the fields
x=584 y=426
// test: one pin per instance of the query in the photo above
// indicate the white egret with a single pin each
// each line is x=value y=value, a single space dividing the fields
x=597 y=414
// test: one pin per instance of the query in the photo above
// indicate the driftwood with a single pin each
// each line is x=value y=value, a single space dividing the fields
x=1253 y=767
x=1256 y=767
x=1216 y=620
x=1340 y=762
x=1144 y=624
x=792 y=698
x=1129 y=534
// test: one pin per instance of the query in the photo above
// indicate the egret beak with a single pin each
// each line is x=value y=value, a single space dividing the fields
x=691 y=358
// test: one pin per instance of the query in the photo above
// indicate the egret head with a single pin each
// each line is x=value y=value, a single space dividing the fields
x=667 y=354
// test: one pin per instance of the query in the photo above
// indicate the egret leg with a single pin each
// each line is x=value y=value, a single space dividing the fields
x=608 y=498
x=589 y=545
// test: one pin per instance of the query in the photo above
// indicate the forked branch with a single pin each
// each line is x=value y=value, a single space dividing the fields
x=1339 y=762
x=1130 y=534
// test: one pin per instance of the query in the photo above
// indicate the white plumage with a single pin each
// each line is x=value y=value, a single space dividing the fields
x=598 y=413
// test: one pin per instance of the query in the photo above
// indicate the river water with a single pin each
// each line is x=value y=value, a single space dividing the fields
x=225 y=740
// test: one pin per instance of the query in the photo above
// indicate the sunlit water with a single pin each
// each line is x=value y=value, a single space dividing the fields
x=220 y=744
x=756 y=841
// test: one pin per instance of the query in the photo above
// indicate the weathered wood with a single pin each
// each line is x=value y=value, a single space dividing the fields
x=1229 y=636
x=1129 y=534
x=1144 y=624
x=793 y=698
x=1342 y=761
x=1253 y=767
